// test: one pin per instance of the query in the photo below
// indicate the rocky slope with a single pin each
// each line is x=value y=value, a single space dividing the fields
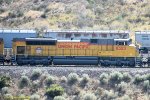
x=76 y=14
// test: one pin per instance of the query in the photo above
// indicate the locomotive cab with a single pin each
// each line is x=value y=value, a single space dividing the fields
x=123 y=41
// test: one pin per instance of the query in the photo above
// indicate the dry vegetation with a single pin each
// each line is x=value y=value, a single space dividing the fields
x=76 y=14
x=41 y=85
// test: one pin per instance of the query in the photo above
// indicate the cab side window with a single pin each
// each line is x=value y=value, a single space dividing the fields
x=121 y=43
x=20 y=49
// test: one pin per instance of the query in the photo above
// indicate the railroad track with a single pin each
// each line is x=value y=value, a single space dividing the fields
x=17 y=71
x=94 y=66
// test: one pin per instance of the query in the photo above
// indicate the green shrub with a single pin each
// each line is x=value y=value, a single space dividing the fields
x=126 y=77
x=49 y=80
x=85 y=79
x=43 y=16
x=2 y=10
x=103 y=78
x=59 y=98
x=116 y=77
x=138 y=79
x=126 y=97
x=4 y=90
x=24 y=82
x=89 y=96
x=148 y=77
x=4 y=81
x=36 y=74
x=54 y=90
x=146 y=85
x=35 y=84
x=35 y=97
x=73 y=78
x=108 y=95
x=5 y=1
x=63 y=79
x=8 y=97
x=121 y=88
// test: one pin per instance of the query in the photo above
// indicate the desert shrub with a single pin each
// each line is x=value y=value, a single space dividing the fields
x=5 y=1
x=63 y=79
x=49 y=80
x=126 y=97
x=8 y=1
x=4 y=90
x=89 y=96
x=35 y=84
x=8 y=97
x=116 y=77
x=59 y=98
x=85 y=79
x=35 y=97
x=103 y=79
x=2 y=10
x=148 y=77
x=43 y=78
x=4 y=81
x=43 y=15
x=73 y=78
x=15 y=14
x=36 y=74
x=146 y=85
x=74 y=90
x=121 y=88
x=54 y=90
x=126 y=77
x=24 y=81
x=108 y=95
x=138 y=79
x=122 y=2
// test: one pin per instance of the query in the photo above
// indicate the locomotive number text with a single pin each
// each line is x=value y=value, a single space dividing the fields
x=120 y=48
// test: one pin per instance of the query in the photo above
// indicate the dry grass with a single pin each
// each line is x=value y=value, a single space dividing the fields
x=116 y=15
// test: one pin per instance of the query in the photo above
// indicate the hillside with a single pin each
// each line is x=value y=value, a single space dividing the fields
x=72 y=83
x=76 y=14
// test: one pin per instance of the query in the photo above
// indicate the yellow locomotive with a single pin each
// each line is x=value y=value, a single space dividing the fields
x=47 y=51
x=1 y=50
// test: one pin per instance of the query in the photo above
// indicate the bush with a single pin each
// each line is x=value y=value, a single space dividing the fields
x=148 y=77
x=35 y=84
x=43 y=15
x=116 y=77
x=126 y=97
x=89 y=96
x=49 y=80
x=122 y=88
x=24 y=82
x=146 y=85
x=4 y=90
x=36 y=74
x=35 y=97
x=126 y=77
x=85 y=79
x=54 y=90
x=4 y=81
x=8 y=97
x=73 y=78
x=108 y=95
x=138 y=79
x=103 y=79
x=63 y=79
x=59 y=98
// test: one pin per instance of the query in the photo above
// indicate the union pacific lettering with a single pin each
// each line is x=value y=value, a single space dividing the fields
x=74 y=45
